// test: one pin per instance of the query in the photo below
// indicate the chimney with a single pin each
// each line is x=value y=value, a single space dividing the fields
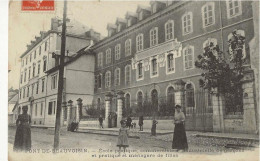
x=54 y=24
x=42 y=33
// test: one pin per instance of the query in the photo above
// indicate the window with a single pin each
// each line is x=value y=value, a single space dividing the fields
x=127 y=74
x=44 y=65
x=100 y=59
x=34 y=69
x=37 y=87
x=34 y=54
x=39 y=67
x=40 y=50
x=117 y=51
x=45 y=47
x=99 y=80
x=209 y=41
x=208 y=14
x=35 y=109
x=190 y=95
x=23 y=92
x=154 y=66
x=29 y=73
x=118 y=28
x=32 y=89
x=26 y=60
x=127 y=101
x=128 y=22
x=54 y=81
x=171 y=98
x=41 y=108
x=154 y=7
x=25 y=75
x=108 y=56
x=28 y=91
x=234 y=8
x=43 y=83
x=20 y=93
x=169 y=30
x=30 y=57
x=140 y=100
x=117 y=77
x=139 y=42
x=51 y=108
x=154 y=96
x=170 y=63
x=154 y=36
x=140 y=71
x=140 y=15
x=108 y=79
x=128 y=47
x=187 y=24
x=242 y=33
x=188 y=55
x=21 y=78
x=23 y=63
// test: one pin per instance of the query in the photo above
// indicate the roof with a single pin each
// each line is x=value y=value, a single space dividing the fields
x=85 y=50
x=121 y=20
x=13 y=100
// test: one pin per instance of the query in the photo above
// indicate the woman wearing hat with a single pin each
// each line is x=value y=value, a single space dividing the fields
x=179 y=136
x=22 y=140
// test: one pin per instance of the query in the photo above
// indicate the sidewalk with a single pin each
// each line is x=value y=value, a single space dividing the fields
x=136 y=132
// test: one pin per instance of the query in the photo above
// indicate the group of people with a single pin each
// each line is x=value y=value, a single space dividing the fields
x=23 y=132
x=179 y=136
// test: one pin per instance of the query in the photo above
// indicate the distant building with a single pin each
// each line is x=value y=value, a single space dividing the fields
x=39 y=75
x=12 y=104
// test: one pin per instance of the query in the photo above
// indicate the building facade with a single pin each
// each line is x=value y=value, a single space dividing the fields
x=38 y=86
x=150 y=55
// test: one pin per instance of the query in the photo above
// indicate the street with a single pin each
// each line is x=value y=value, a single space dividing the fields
x=43 y=139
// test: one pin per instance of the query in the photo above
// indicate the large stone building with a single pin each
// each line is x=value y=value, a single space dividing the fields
x=149 y=57
x=39 y=74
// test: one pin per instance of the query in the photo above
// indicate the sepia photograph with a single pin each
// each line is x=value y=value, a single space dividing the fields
x=133 y=80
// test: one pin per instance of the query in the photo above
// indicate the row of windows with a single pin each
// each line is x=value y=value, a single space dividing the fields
x=36 y=90
x=188 y=62
x=36 y=109
x=33 y=71
x=208 y=16
x=29 y=57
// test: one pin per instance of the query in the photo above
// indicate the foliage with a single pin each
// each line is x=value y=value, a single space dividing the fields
x=94 y=112
x=217 y=72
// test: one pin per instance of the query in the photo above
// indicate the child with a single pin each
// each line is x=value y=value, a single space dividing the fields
x=123 y=136
x=153 y=130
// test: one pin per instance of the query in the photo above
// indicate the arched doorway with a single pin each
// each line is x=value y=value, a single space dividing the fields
x=154 y=96
x=170 y=101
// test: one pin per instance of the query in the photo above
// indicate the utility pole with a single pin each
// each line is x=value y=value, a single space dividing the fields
x=60 y=83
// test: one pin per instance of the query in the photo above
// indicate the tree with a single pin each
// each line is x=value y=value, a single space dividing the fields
x=217 y=72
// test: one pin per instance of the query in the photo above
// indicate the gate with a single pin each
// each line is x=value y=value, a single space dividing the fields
x=198 y=110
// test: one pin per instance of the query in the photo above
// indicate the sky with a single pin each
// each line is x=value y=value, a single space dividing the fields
x=24 y=26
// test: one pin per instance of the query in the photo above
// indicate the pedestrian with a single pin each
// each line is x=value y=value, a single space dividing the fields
x=153 y=130
x=179 y=141
x=100 y=119
x=128 y=122
x=141 y=122
x=22 y=141
x=123 y=136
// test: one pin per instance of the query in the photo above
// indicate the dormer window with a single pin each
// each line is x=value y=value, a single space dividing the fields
x=154 y=7
x=140 y=15
x=118 y=28
x=109 y=33
x=128 y=22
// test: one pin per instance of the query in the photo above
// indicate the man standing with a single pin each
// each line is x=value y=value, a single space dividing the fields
x=100 y=119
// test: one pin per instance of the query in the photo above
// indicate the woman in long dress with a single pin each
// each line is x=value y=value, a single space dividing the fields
x=179 y=136
x=22 y=140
